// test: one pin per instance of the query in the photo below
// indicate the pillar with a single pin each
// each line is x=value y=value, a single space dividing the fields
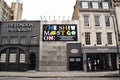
x=84 y=62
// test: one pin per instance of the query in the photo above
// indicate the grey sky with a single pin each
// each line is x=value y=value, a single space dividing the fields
x=33 y=9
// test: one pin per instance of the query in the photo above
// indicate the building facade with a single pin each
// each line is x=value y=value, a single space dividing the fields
x=40 y=45
x=19 y=45
x=86 y=43
x=60 y=45
x=98 y=35
x=13 y=13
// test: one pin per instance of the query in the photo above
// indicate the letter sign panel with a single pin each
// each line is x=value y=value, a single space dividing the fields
x=60 y=32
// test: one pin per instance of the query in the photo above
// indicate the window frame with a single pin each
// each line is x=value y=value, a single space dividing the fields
x=22 y=58
x=98 y=38
x=86 y=20
x=93 y=6
x=105 y=5
x=12 y=58
x=13 y=41
x=4 y=40
x=84 y=4
x=107 y=21
x=34 y=40
x=97 y=20
x=87 y=38
x=109 y=38
x=2 y=57
x=23 y=40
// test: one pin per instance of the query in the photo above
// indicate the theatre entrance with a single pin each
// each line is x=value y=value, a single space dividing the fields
x=101 y=61
x=75 y=63
x=32 y=63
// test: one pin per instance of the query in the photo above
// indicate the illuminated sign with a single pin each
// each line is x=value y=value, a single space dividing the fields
x=20 y=27
x=60 y=32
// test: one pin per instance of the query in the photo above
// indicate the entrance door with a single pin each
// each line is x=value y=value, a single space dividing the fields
x=75 y=63
x=97 y=62
x=32 y=65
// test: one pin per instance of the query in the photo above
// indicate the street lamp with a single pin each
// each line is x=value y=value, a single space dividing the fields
x=116 y=32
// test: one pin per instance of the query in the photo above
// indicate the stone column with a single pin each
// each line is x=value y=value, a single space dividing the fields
x=7 y=58
x=84 y=62
x=109 y=60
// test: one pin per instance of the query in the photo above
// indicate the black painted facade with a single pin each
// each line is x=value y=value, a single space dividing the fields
x=18 y=42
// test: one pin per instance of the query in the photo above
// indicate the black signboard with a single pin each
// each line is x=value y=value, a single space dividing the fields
x=60 y=32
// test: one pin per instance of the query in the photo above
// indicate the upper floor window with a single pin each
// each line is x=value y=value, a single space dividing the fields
x=86 y=20
x=118 y=37
x=95 y=5
x=105 y=5
x=98 y=38
x=23 y=40
x=97 y=20
x=33 y=40
x=107 y=20
x=109 y=38
x=85 y=4
x=14 y=40
x=87 y=38
x=4 y=40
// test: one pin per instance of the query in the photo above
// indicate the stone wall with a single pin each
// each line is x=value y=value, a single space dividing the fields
x=53 y=54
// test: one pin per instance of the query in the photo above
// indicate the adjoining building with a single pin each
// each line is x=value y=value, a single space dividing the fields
x=19 y=45
x=98 y=36
x=13 y=13
x=60 y=45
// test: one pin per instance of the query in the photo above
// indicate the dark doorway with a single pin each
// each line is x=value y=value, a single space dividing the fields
x=32 y=65
x=100 y=62
x=75 y=63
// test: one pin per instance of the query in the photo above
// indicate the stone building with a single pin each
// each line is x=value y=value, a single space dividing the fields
x=98 y=34
x=58 y=41
x=13 y=13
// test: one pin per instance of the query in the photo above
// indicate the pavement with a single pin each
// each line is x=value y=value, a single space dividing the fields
x=38 y=74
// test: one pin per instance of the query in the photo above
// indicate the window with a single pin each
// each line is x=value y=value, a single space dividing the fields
x=12 y=17
x=23 y=40
x=98 y=38
x=105 y=5
x=119 y=37
x=71 y=59
x=86 y=20
x=97 y=20
x=107 y=20
x=22 y=58
x=34 y=40
x=87 y=38
x=95 y=5
x=78 y=59
x=4 y=40
x=84 y=4
x=3 y=57
x=12 y=58
x=109 y=38
x=14 y=40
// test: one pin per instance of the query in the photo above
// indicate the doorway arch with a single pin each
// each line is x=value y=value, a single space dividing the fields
x=12 y=59
x=32 y=59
